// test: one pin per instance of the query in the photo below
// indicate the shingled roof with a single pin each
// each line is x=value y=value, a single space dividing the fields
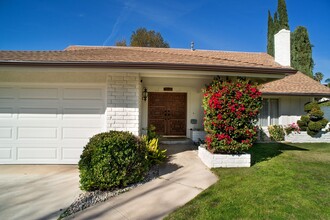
x=296 y=84
x=142 y=57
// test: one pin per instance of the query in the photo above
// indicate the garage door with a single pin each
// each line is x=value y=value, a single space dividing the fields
x=48 y=124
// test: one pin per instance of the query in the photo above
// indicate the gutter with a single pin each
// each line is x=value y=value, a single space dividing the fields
x=297 y=94
x=162 y=66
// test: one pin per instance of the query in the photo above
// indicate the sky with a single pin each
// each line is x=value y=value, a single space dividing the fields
x=236 y=25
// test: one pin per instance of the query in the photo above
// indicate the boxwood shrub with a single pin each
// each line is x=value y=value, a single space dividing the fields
x=112 y=160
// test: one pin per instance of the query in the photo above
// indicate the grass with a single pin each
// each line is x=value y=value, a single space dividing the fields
x=285 y=182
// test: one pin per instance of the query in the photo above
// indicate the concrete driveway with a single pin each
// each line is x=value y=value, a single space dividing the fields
x=37 y=191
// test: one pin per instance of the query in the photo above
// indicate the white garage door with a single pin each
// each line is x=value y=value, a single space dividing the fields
x=42 y=124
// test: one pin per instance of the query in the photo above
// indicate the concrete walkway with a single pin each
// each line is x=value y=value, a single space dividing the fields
x=182 y=178
x=37 y=191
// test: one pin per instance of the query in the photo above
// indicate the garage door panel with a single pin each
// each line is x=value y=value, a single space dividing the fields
x=6 y=112
x=83 y=93
x=82 y=113
x=38 y=93
x=40 y=133
x=7 y=93
x=6 y=132
x=79 y=133
x=40 y=125
x=70 y=153
x=42 y=152
x=35 y=112
x=6 y=152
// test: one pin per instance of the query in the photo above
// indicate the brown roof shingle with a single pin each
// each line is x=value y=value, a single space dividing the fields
x=296 y=84
x=143 y=55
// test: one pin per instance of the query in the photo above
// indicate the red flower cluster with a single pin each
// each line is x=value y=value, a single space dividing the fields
x=231 y=110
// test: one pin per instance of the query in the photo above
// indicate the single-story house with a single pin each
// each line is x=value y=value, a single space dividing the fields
x=52 y=102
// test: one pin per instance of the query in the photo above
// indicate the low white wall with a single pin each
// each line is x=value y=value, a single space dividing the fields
x=223 y=160
x=303 y=137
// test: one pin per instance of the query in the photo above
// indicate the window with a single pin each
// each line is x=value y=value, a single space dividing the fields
x=269 y=113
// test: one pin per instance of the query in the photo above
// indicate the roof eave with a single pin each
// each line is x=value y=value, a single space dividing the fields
x=165 y=66
x=296 y=94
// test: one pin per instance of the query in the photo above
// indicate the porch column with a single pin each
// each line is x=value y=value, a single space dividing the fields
x=123 y=102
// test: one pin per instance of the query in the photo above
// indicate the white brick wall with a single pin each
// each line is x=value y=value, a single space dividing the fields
x=303 y=137
x=223 y=160
x=123 y=102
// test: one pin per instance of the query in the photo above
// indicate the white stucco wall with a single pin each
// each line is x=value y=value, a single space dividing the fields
x=290 y=108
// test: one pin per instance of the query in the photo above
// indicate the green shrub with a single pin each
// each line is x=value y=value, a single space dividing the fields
x=309 y=106
x=324 y=122
x=305 y=119
x=276 y=132
x=151 y=132
x=112 y=160
x=154 y=154
x=302 y=125
x=316 y=114
x=311 y=133
x=315 y=126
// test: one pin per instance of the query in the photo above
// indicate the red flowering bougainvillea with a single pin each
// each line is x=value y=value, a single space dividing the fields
x=230 y=114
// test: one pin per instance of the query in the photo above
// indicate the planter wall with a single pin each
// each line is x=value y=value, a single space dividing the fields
x=223 y=160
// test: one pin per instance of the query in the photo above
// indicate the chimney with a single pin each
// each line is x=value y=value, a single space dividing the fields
x=282 y=47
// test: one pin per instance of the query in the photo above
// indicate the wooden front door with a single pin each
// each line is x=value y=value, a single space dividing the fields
x=168 y=112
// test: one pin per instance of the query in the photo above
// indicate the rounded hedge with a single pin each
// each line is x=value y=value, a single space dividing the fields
x=309 y=106
x=316 y=114
x=315 y=126
x=305 y=119
x=112 y=160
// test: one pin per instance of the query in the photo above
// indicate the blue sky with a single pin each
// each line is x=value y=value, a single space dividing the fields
x=238 y=25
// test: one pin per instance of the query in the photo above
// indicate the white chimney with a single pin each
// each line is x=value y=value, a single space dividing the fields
x=282 y=47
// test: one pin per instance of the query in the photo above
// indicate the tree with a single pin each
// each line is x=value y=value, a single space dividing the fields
x=283 y=19
x=318 y=76
x=301 y=51
x=275 y=24
x=144 y=38
x=270 y=35
x=121 y=43
x=328 y=82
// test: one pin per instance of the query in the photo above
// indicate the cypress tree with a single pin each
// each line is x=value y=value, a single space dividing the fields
x=276 y=23
x=283 y=19
x=270 y=35
x=301 y=51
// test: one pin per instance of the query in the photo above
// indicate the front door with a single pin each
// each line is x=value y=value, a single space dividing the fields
x=167 y=112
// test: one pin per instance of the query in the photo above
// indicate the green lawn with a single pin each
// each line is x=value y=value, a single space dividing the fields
x=286 y=181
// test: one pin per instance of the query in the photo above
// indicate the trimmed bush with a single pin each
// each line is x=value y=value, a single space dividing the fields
x=311 y=133
x=316 y=114
x=324 y=122
x=305 y=119
x=112 y=160
x=313 y=122
x=315 y=126
x=309 y=106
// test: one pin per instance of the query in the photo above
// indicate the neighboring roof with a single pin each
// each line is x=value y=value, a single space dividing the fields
x=296 y=84
x=142 y=57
